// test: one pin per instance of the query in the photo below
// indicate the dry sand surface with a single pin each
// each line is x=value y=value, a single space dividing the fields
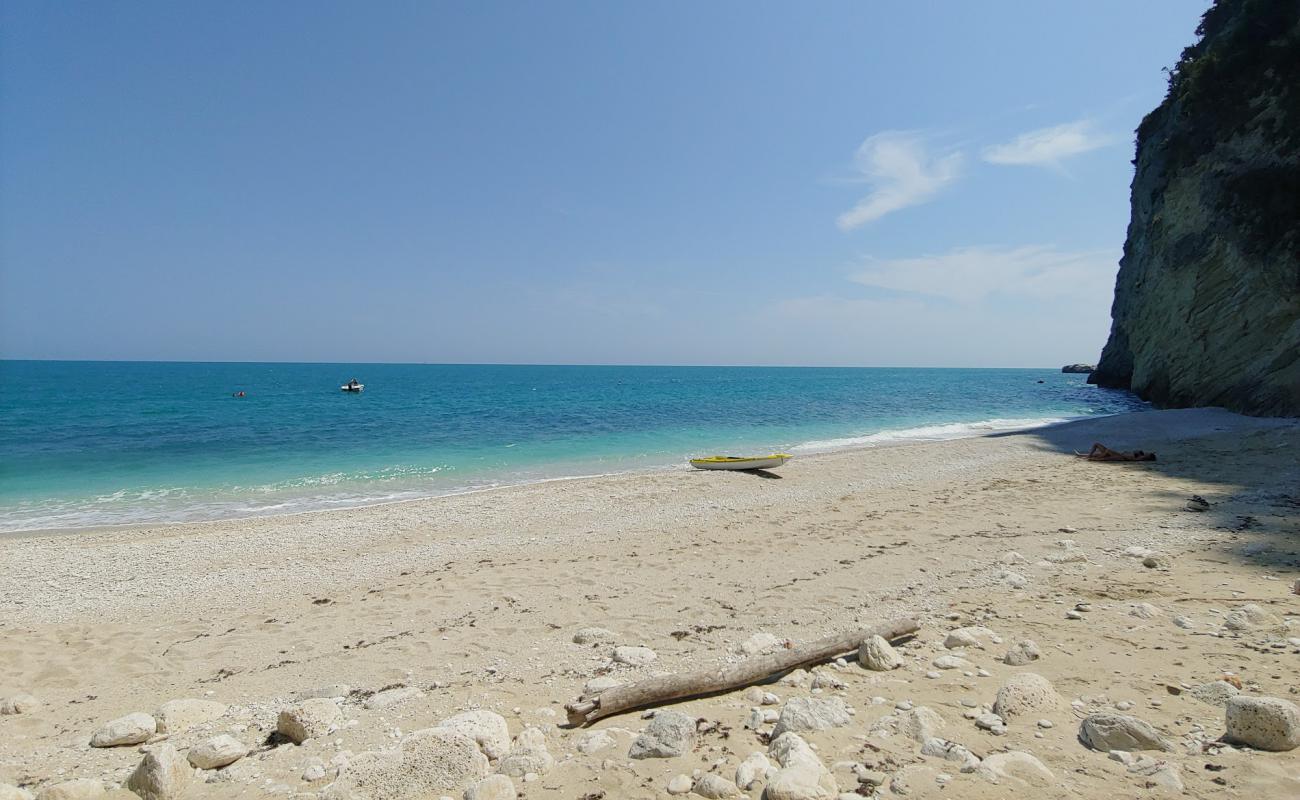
x=473 y=602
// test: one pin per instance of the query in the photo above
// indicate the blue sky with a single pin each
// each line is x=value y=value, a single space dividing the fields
x=865 y=183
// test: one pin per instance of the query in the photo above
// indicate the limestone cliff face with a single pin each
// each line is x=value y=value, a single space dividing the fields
x=1207 y=302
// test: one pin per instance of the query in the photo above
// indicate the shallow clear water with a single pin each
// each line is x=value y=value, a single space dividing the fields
x=102 y=443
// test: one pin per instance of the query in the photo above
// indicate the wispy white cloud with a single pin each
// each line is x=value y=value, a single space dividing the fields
x=971 y=274
x=901 y=172
x=1048 y=147
x=987 y=306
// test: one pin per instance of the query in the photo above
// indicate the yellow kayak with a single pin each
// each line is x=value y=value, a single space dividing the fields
x=741 y=462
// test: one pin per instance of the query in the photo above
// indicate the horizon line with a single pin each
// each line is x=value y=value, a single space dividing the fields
x=500 y=364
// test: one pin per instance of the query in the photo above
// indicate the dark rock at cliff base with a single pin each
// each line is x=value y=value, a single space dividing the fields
x=1078 y=369
x=1207 y=301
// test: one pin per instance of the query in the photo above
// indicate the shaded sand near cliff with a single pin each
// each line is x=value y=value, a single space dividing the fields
x=473 y=602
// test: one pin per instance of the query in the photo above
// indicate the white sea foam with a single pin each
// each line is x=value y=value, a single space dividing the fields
x=125 y=508
x=930 y=433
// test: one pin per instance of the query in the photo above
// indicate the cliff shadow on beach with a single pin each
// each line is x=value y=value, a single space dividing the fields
x=1241 y=474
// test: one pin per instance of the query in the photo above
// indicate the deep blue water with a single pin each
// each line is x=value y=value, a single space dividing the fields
x=100 y=443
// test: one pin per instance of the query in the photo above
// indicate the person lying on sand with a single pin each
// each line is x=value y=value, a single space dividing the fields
x=1101 y=452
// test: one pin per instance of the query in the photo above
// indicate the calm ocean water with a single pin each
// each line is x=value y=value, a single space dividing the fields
x=102 y=443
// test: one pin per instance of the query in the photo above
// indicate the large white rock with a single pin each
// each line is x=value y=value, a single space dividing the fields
x=1013 y=579
x=1023 y=693
x=217 y=752
x=487 y=728
x=10 y=792
x=752 y=770
x=992 y=723
x=1244 y=618
x=791 y=749
x=309 y=719
x=19 y=704
x=714 y=787
x=313 y=770
x=953 y=662
x=811 y=714
x=177 y=716
x=1144 y=611
x=428 y=763
x=669 y=734
x=950 y=751
x=131 y=729
x=594 y=741
x=879 y=655
x=162 y=775
x=527 y=754
x=802 y=775
x=1022 y=652
x=493 y=787
x=970 y=636
x=920 y=723
x=1016 y=768
x=1264 y=723
x=76 y=789
x=1107 y=732
x=392 y=697
x=634 y=656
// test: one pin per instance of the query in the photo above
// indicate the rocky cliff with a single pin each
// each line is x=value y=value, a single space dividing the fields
x=1207 y=302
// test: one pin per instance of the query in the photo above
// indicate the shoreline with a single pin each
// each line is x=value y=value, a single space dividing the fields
x=892 y=438
x=446 y=526
x=472 y=602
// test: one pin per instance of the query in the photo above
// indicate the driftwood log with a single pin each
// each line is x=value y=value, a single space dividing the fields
x=654 y=691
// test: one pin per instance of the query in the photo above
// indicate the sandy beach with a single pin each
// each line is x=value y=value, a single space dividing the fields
x=1131 y=594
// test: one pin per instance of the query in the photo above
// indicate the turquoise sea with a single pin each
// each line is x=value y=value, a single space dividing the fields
x=108 y=443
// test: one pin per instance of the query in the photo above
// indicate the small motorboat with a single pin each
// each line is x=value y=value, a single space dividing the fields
x=741 y=462
x=352 y=386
